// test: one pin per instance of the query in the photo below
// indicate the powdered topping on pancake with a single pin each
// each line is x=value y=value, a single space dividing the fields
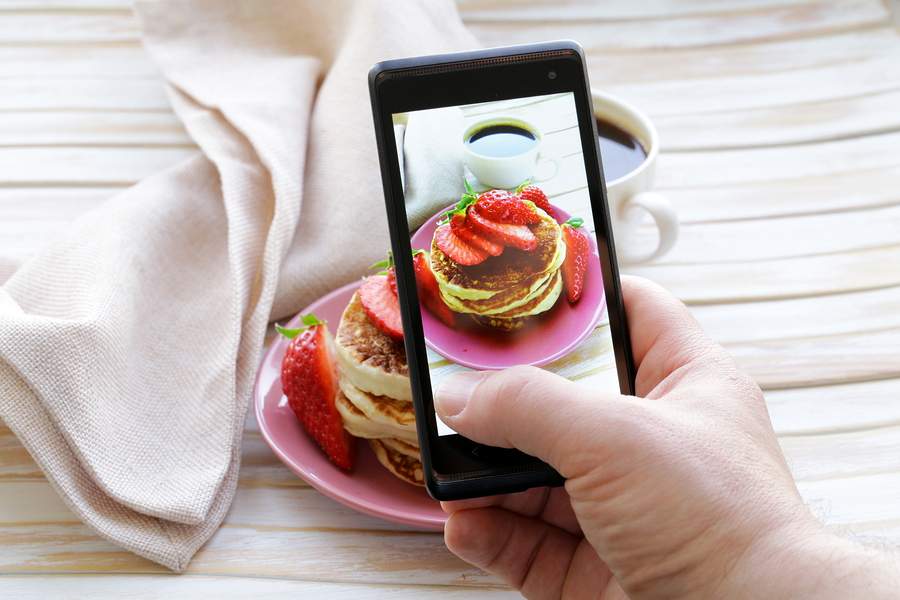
x=369 y=345
x=368 y=358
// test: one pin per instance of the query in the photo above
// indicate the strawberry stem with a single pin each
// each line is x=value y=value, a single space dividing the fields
x=523 y=185
x=308 y=320
x=384 y=264
x=461 y=206
x=574 y=222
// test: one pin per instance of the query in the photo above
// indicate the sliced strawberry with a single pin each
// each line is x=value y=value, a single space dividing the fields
x=386 y=267
x=459 y=250
x=574 y=268
x=392 y=279
x=381 y=305
x=534 y=194
x=517 y=236
x=462 y=229
x=429 y=292
x=502 y=207
x=309 y=380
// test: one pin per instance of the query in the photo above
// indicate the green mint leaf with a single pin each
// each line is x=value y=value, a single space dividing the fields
x=523 y=185
x=574 y=222
x=288 y=333
x=311 y=320
x=383 y=264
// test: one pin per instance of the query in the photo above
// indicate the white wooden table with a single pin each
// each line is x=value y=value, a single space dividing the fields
x=780 y=123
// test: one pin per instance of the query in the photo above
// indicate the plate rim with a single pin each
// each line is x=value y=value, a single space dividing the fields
x=556 y=354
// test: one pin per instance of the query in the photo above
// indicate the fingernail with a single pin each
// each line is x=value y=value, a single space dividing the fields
x=454 y=392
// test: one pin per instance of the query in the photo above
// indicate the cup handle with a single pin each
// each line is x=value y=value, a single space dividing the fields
x=666 y=220
x=544 y=160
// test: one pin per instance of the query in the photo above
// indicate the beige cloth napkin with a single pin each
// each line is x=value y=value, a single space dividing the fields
x=432 y=162
x=128 y=348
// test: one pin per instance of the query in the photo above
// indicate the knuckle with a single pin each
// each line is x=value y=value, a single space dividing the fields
x=512 y=384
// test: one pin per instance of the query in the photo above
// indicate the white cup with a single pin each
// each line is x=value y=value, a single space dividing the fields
x=505 y=172
x=630 y=196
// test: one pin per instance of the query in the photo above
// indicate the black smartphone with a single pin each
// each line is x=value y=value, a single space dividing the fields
x=501 y=238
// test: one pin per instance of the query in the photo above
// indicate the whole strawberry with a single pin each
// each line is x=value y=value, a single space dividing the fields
x=429 y=291
x=502 y=207
x=309 y=380
x=534 y=194
x=574 y=268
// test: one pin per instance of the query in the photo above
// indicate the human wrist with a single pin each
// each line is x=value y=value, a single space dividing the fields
x=805 y=560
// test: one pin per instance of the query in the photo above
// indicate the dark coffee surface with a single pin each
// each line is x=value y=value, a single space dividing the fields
x=620 y=151
x=501 y=141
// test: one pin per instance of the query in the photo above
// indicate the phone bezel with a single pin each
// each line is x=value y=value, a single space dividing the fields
x=456 y=467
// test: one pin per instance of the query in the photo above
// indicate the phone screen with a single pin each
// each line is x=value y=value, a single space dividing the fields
x=505 y=255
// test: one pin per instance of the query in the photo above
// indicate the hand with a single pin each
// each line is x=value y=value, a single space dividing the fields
x=681 y=491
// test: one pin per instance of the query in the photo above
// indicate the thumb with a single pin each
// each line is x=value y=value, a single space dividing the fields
x=538 y=412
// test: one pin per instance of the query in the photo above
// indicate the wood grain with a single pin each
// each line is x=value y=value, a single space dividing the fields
x=779 y=129
x=705 y=29
x=835 y=408
x=139 y=587
x=782 y=278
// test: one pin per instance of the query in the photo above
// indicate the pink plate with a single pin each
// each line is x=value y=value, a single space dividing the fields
x=370 y=488
x=544 y=339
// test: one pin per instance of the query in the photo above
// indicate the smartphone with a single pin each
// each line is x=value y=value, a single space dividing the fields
x=501 y=238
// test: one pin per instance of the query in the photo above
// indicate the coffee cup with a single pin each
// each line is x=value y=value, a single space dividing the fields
x=513 y=158
x=630 y=195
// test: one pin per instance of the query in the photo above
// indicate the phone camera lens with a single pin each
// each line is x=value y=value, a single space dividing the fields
x=551 y=74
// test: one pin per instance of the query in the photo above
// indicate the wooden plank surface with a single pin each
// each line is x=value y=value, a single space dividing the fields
x=780 y=130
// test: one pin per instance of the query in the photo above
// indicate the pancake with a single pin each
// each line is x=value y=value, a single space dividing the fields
x=505 y=302
x=401 y=447
x=369 y=359
x=516 y=318
x=407 y=468
x=386 y=411
x=512 y=269
x=359 y=425
x=540 y=303
x=355 y=421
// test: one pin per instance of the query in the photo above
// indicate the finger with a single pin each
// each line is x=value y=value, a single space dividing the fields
x=551 y=505
x=526 y=553
x=540 y=413
x=664 y=334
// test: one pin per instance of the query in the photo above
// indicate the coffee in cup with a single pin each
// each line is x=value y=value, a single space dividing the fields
x=629 y=147
x=502 y=152
x=622 y=152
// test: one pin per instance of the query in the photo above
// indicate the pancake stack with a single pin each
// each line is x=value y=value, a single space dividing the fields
x=503 y=291
x=375 y=400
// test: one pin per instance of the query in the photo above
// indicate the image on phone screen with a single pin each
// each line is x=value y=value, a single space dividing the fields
x=513 y=273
